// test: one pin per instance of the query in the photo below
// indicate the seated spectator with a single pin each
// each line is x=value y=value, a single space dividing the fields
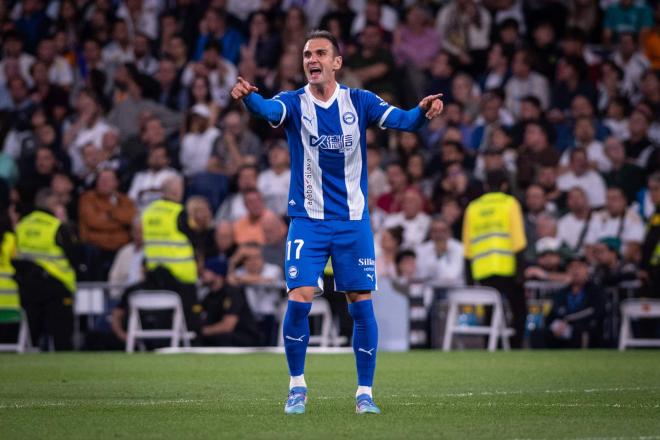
x=585 y=139
x=127 y=267
x=378 y=184
x=458 y=185
x=202 y=231
x=263 y=283
x=388 y=244
x=238 y=145
x=616 y=220
x=638 y=145
x=373 y=64
x=573 y=227
x=623 y=174
x=147 y=185
x=579 y=174
x=397 y=180
x=441 y=259
x=535 y=152
x=197 y=143
x=275 y=236
x=226 y=318
x=412 y=218
x=250 y=228
x=610 y=270
x=105 y=218
x=273 y=182
x=632 y=61
x=212 y=184
x=548 y=262
x=575 y=320
x=406 y=267
x=523 y=81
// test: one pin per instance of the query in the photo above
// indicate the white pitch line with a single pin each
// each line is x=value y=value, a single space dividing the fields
x=78 y=403
x=642 y=437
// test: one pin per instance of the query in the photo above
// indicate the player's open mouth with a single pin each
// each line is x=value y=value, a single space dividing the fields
x=314 y=72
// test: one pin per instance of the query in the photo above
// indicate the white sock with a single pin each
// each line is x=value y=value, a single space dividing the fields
x=297 y=381
x=363 y=390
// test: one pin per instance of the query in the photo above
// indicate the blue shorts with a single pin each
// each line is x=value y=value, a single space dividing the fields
x=350 y=244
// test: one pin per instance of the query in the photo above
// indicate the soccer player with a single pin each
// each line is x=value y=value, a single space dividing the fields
x=325 y=124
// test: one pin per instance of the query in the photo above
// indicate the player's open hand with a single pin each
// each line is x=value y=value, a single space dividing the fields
x=242 y=89
x=432 y=105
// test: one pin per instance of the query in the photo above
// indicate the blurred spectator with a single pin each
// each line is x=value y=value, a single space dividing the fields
x=535 y=152
x=441 y=258
x=13 y=54
x=412 y=218
x=233 y=207
x=273 y=182
x=651 y=41
x=262 y=283
x=573 y=227
x=575 y=320
x=128 y=266
x=548 y=263
x=632 y=61
x=227 y=318
x=578 y=174
x=571 y=81
x=627 y=176
x=525 y=82
x=610 y=270
x=220 y=73
x=585 y=139
x=250 y=228
x=172 y=94
x=626 y=16
x=497 y=71
x=387 y=247
x=104 y=219
x=375 y=12
x=47 y=253
x=616 y=221
x=210 y=183
x=37 y=176
x=197 y=143
x=638 y=145
x=215 y=28
x=202 y=231
x=237 y=145
x=378 y=184
x=373 y=64
x=147 y=185
x=650 y=266
x=464 y=28
x=414 y=45
x=397 y=180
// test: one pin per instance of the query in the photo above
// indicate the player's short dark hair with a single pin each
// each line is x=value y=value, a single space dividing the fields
x=322 y=34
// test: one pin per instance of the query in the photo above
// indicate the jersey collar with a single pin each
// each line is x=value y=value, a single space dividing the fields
x=323 y=104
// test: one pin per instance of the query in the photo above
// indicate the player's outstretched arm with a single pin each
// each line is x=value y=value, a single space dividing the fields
x=268 y=109
x=413 y=119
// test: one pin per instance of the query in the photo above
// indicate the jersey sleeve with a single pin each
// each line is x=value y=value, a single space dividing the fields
x=272 y=110
x=375 y=108
x=284 y=99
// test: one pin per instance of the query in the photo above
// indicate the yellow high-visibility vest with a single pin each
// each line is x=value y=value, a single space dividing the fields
x=164 y=244
x=36 y=242
x=493 y=233
x=8 y=288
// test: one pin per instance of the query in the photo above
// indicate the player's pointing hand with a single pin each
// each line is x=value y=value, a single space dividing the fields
x=242 y=89
x=433 y=105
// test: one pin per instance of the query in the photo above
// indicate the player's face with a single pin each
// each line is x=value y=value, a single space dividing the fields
x=320 y=62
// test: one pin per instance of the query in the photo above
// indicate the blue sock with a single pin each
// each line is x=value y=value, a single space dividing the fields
x=296 y=335
x=365 y=340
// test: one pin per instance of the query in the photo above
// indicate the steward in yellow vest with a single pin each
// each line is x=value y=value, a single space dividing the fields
x=45 y=250
x=168 y=252
x=494 y=240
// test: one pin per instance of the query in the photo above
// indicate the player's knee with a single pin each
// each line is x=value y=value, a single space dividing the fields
x=302 y=294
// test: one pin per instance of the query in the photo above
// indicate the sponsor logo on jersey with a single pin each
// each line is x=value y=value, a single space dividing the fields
x=366 y=261
x=343 y=143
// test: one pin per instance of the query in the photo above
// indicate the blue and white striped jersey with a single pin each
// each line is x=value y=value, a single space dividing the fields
x=328 y=151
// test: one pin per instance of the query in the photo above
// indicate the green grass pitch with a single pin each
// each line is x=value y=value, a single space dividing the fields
x=459 y=395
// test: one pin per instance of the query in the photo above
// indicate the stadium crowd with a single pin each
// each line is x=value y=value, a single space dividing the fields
x=103 y=102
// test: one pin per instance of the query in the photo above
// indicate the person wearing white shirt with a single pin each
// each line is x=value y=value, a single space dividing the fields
x=585 y=137
x=221 y=73
x=197 y=143
x=573 y=227
x=441 y=259
x=579 y=174
x=273 y=183
x=616 y=220
x=147 y=185
x=127 y=266
x=59 y=70
x=414 y=221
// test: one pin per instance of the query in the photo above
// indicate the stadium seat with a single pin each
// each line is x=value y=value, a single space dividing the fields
x=320 y=309
x=484 y=296
x=23 y=343
x=637 y=309
x=156 y=300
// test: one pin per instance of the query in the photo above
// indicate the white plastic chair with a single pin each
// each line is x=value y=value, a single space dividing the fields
x=320 y=309
x=637 y=309
x=23 y=341
x=484 y=296
x=156 y=300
